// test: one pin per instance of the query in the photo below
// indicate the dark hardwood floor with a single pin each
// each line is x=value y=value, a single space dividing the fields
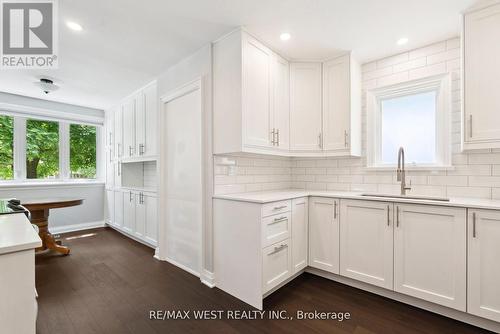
x=109 y=284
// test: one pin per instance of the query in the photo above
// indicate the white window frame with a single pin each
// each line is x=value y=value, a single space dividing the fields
x=19 y=153
x=441 y=84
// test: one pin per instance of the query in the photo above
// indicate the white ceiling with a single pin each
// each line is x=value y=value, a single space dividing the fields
x=127 y=43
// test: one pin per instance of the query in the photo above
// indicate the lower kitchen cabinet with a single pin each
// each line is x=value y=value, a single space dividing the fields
x=430 y=253
x=276 y=264
x=483 y=291
x=324 y=234
x=109 y=214
x=300 y=233
x=136 y=214
x=366 y=242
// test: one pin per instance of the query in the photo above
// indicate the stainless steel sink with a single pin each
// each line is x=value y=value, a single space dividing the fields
x=426 y=198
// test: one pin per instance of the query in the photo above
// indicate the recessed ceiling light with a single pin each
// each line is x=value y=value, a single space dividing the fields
x=402 y=41
x=74 y=26
x=285 y=36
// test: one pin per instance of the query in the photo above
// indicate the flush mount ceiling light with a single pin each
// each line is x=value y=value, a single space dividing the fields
x=285 y=36
x=74 y=26
x=402 y=41
x=47 y=85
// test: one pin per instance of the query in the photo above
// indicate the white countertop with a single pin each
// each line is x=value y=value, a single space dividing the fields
x=280 y=195
x=17 y=234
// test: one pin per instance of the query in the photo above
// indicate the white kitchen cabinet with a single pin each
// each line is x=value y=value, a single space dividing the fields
x=281 y=103
x=150 y=100
x=481 y=116
x=250 y=97
x=128 y=109
x=118 y=208
x=366 y=242
x=118 y=131
x=305 y=107
x=146 y=217
x=483 y=290
x=109 y=205
x=276 y=264
x=430 y=253
x=129 y=206
x=324 y=234
x=300 y=234
x=342 y=106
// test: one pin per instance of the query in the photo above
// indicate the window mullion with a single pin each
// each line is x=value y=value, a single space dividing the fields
x=19 y=148
x=64 y=151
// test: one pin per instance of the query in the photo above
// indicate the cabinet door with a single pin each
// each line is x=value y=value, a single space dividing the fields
x=300 y=233
x=129 y=127
x=129 y=204
x=118 y=208
x=366 y=242
x=482 y=75
x=256 y=94
x=150 y=97
x=110 y=205
x=324 y=234
x=140 y=215
x=140 y=124
x=305 y=107
x=483 y=269
x=276 y=264
x=336 y=103
x=151 y=227
x=281 y=103
x=430 y=254
x=118 y=132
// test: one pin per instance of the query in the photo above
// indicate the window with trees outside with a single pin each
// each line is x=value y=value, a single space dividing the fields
x=39 y=149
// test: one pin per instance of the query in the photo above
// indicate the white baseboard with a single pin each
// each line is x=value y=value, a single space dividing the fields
x=183 y=267
x=208 y=278
x=76 y=227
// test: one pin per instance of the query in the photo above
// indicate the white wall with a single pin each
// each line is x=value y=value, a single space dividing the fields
x=476 y=174
x=89 y=214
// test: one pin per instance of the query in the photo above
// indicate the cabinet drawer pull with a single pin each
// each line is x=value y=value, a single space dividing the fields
x=278 y=249
x=320 y=141
x=474 y=225
x=335 y=210
x=279 y=207
x=388 y=218
x=130 y=196
x=397 y=216
x=278 y=220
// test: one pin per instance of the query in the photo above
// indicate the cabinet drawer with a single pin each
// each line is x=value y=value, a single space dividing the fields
x=277 y=264
x=275 y=228
x=275 y=208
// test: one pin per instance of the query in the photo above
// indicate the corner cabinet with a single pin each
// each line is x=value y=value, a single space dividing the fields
x=481 y=74
x=250 y=96
x=483 y=291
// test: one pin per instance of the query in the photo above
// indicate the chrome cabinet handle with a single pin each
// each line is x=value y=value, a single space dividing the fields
x=346 y=135
x=119 y=150
x=397 y=216
x=141 y=149
x=110 y=155
x=388 y=217
x=110 y=134
x=278 y=137
x=474 y=225
x=278 y=249
x=119 y=168
x=276 y=220
x=334 y=209
x=130 y=196
x=273 y=142
x=320 y=141
x=470 y=126
x=130 y=150
x=279 y=207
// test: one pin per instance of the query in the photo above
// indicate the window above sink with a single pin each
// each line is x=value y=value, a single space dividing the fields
x=414 y=115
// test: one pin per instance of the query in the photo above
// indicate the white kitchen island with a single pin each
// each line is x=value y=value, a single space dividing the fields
x=18 y=241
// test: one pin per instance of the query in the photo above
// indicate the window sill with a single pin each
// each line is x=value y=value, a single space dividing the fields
x=409 y=168
x=50 y=184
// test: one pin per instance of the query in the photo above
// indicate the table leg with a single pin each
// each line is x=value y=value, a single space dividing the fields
x=41 y=219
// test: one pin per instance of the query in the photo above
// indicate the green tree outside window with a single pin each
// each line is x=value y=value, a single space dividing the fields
x=6 y=147
x=42 y=149
x=82 y=140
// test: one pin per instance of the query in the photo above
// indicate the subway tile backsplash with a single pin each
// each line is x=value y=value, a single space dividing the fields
x=475 y=173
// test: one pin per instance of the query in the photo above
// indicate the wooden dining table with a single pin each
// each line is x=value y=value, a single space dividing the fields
x=40 y=209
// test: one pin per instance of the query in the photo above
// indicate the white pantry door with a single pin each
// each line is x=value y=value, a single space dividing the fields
x=183 y=177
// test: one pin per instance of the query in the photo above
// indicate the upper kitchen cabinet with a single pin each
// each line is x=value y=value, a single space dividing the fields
x=341 y=107
x=250 y=96
x=481 y=68
x=305 y=108
x=146 y=121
